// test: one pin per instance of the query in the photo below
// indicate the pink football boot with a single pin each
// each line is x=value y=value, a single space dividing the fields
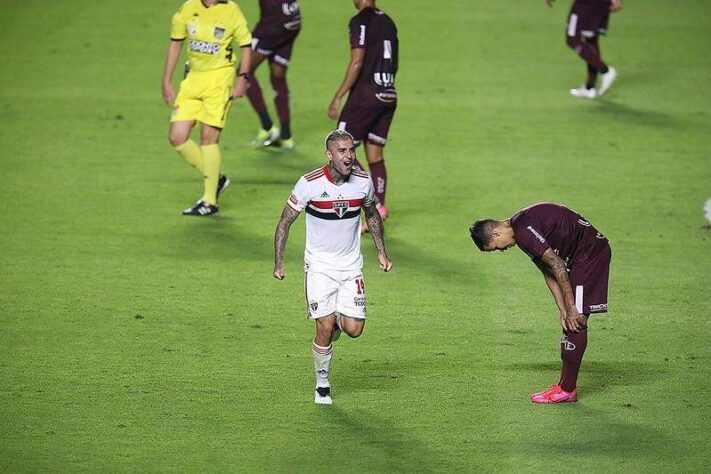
x=555 y=394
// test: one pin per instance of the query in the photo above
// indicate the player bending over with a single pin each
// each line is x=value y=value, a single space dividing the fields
x=575 y=261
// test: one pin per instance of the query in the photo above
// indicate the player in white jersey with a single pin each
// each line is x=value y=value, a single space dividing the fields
x=333 y=197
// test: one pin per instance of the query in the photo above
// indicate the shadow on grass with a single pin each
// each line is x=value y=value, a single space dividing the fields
x=219 y=237
x=367 y=443
x=627 y=114
x=595 y=376
x=599 y=433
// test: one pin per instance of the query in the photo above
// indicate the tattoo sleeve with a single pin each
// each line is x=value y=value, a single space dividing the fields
x=375 y=226
x=288 y=216
x=556 y=266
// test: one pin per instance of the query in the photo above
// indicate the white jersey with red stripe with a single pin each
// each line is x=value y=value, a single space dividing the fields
x=332 y=218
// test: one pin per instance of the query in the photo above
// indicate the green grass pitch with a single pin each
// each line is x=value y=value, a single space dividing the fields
x=136 y=340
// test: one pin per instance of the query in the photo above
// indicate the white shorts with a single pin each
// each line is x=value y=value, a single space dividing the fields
x=330 y=292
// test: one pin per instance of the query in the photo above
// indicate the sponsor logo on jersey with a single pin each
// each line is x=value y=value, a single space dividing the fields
x=219 y=33
x=384 y=79
x=204 y=47
x=290 y=8
x=359 y=300
x=324 y=194
x=536 y=234
x=340 y=207
x=192 y=29
x=389 y=96
x=596 y=308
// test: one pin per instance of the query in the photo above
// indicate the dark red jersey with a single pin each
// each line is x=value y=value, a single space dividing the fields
x=547 y=225
x=279 y=15
x=374 y=31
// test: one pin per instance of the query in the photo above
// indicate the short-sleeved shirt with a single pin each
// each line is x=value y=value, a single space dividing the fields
x=277 y=17
x=374 y=31
x=210 y=33
x=548 y=225
x=332 y=218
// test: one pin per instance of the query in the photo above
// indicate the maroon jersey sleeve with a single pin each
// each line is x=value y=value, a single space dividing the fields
x=357 y=32
x=529 y=239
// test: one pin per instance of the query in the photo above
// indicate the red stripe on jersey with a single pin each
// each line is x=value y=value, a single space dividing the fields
x=361 y=174
x=312 y=177
x=327 y=172
x=293 y=199
x=329 y=204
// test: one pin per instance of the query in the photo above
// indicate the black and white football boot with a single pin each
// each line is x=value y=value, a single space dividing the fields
x=201 y=209
x=222 y=184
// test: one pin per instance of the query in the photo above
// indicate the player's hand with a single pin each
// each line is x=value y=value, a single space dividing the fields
x=385 y=264
x=240 y=88
x=573 y=321
x=550 y=3
x=279 y=272
x=334 y=108
x=168 y=94
x=615 y=5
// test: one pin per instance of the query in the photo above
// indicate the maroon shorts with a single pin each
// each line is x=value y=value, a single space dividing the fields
x=588 y=19
x=276 y=46
x=589 y=277
x=367 y=123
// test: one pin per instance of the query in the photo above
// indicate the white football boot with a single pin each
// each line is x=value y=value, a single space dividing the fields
x=584 y=92
x=606 y=80
x=322 y=396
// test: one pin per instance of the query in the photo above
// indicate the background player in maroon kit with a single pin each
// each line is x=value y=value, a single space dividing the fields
x=273 y=38
x=370 y=84
x=575 y=261
x=587 y=20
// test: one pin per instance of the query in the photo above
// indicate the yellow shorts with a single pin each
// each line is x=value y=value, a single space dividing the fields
x=205 y=96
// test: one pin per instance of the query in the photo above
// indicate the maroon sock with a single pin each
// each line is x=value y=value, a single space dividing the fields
x=572 y=348
x=281 y=99
x=254 y=94
x=592 y=72
x=380 y=179
x=588 y=53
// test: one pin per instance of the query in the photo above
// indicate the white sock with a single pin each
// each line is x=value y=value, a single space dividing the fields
x=322 y=363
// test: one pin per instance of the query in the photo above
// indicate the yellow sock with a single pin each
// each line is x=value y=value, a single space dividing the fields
x=212 y=161
x=192 y=154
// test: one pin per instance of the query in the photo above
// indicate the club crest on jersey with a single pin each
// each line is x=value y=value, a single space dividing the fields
x=314 y=305
x=192 y=29
x=340 y=207
x=219 y=32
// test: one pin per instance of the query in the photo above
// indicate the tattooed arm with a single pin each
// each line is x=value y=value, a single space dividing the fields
x=552 y=285
x=375 y=225
x=571 y=319
x=288 y=216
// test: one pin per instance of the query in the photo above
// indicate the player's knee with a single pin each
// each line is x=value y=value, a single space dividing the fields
x=278 y=82
x=354 y=331
x=177 y=138
x=573 y=42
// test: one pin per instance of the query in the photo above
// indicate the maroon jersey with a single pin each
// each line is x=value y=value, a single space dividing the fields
x=279 y=15
x=374 y=31
x=547 y=225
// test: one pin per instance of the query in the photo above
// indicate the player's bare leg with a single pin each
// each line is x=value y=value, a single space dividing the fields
x=268 y=133
x=277 y=76
x=351 y=326
x=322 y=351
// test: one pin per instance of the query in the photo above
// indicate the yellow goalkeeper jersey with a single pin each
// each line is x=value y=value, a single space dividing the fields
x=210 y=33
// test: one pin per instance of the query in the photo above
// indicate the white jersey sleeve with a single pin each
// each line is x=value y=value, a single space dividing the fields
x=370 y=196
x=300 y=196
